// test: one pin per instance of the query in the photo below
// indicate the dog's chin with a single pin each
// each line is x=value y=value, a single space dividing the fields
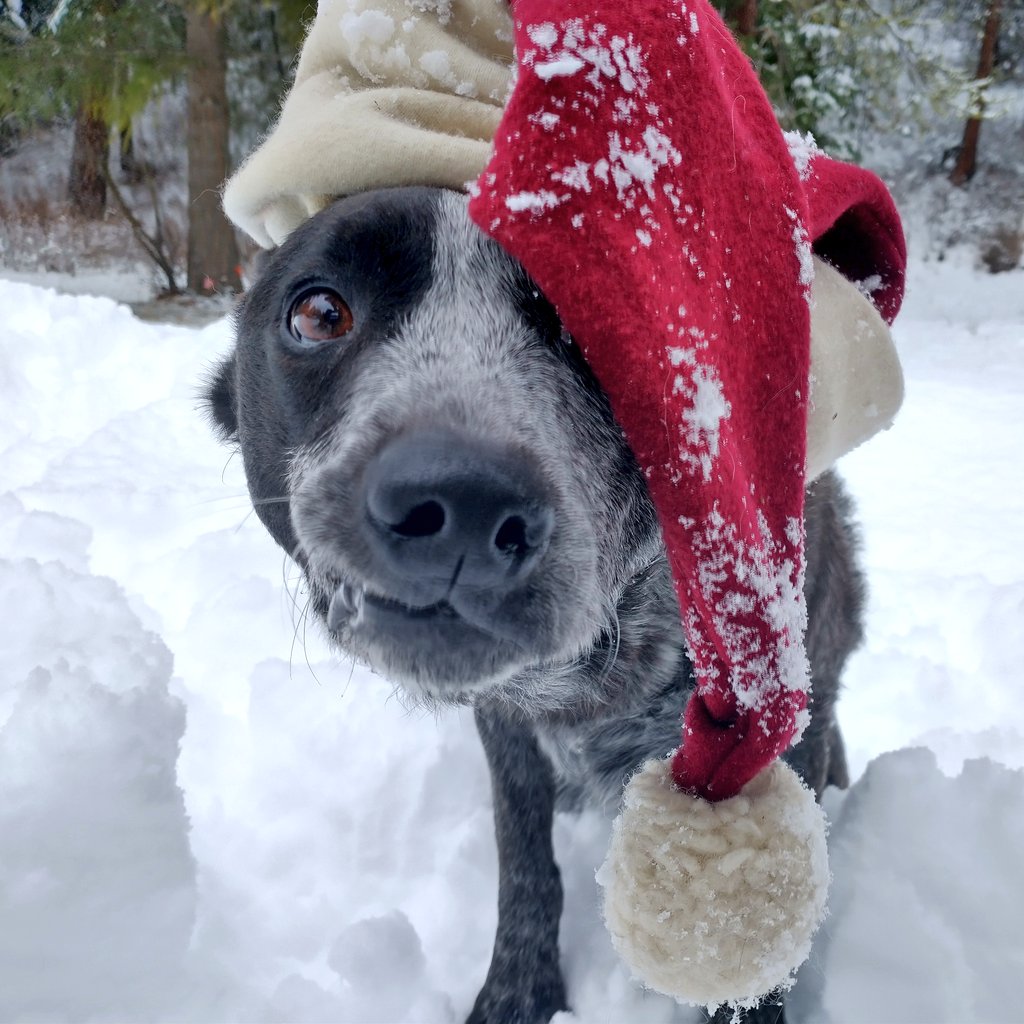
x=431 y=651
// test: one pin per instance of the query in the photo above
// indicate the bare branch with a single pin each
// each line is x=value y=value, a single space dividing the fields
x=153 y=246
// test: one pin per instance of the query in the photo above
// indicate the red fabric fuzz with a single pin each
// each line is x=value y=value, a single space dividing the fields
x=641 y=178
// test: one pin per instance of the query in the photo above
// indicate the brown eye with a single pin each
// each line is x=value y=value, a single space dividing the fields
x=320 y=316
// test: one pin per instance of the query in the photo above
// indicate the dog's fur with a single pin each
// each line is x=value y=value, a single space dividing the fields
x=567 y=643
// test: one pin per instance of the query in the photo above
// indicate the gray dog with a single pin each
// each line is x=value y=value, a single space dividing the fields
x=421 y=435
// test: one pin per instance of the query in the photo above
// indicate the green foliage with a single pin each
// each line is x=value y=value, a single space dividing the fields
x=790 y=51
x=106 y=56
x=111 y=57
x=844 y=68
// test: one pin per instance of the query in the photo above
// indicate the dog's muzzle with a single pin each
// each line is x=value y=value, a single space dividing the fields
x=453 y=527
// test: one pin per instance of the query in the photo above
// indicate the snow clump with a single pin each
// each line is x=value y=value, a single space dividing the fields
x=97 y=881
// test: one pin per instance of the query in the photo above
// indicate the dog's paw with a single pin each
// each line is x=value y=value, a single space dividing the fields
x=510 y=1001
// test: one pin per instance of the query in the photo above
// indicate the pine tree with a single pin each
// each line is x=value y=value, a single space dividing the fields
x=846 y=69
x=96 y=61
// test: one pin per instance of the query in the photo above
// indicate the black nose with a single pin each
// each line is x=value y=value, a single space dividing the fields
x=447 y=511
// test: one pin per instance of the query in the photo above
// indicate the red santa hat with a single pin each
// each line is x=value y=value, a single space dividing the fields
x=642 y=179
x=639 y=175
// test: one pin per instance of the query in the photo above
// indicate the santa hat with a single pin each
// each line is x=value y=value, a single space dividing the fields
x=641 y=178
x=411 y=92
x=639 y=175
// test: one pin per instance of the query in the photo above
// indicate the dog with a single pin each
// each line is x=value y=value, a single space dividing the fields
x=427 y=442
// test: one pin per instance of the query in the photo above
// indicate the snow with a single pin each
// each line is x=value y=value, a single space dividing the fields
x=206 y=816
x=544 y=35
x=609 y=59
x=437 y=64
x=535 y=202
x=442 y=8
x=950 y=939
x=705 y=410
x=630 y=168
x=560 y=67
x=803 y=149
x=375 y=26
x=709 y=408
x=135 y=283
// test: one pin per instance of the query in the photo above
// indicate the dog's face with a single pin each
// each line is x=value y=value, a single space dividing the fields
x=422 y=437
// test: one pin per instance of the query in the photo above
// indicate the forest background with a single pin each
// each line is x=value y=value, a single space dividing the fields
x=119 y=121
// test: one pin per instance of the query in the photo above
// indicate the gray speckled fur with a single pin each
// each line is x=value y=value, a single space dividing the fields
x=457 y=337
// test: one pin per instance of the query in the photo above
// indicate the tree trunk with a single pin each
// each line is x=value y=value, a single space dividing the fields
x=741 y=17
x=87 y=184
x=131 y=170
x=746 y=18
x=967 y=156
x=213 y=263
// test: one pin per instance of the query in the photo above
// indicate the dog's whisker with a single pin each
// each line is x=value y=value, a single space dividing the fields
x=305 y=648
x=216 y=515
x=270 y=501
x=299 y=637
x=351 y=674
x=291 y=649
x=221 y=498
x=227 y=462
x=245 y=519
x=292 y=592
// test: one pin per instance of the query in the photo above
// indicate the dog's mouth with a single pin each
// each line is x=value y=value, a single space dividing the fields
x=435 y=649
x=352 y=604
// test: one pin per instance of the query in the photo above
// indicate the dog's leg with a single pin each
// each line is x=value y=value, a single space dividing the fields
x=838 y=771
x=834 y=591
x=524 y=984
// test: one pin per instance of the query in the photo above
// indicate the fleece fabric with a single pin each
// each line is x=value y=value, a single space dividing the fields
x=386 y=93
x=683 y=877
x=641 y=178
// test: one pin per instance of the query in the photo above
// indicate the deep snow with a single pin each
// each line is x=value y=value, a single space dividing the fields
x=316 y=853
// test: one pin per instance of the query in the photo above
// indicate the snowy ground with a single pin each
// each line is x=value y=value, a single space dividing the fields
x=204 y=816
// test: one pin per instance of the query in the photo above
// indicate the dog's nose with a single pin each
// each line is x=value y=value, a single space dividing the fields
x=447 y=511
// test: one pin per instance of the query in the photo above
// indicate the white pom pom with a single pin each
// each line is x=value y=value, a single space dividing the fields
x=716 y=902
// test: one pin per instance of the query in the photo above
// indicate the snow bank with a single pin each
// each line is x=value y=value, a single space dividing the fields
x=942 y=507
x=238 y=836
x=97 y=881
x=927 y=900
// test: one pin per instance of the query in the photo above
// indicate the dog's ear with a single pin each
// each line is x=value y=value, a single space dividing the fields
x=219 y=399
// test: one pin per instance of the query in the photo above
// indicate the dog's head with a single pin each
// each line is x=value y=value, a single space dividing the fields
x=423 y=438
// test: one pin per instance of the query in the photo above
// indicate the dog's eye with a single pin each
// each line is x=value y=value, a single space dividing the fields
x=320 y=316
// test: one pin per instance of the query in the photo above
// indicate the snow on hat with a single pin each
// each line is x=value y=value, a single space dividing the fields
x=641 y=178
x=386 y=93
x=639 y=175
